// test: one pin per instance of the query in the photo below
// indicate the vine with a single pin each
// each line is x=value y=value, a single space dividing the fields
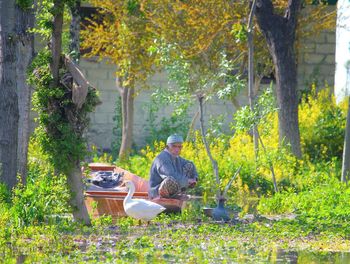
x=60 y=123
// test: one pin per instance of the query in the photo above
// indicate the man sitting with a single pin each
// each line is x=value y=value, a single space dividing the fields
x=171 y=175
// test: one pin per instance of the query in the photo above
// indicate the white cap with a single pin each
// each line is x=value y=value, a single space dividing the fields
x=175 y=138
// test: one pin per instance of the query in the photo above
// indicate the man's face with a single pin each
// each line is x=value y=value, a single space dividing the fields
x=175 y=148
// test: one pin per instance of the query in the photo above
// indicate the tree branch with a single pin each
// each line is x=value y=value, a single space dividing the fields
x=207 y=148
x=291 y=13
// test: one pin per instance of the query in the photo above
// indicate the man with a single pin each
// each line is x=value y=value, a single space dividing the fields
x=170 y=175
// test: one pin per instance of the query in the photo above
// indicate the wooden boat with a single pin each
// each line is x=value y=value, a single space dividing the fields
x=110 y=201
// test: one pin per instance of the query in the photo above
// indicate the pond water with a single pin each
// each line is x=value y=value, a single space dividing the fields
x=283 y=256
x=118 y=247
x=274 y=256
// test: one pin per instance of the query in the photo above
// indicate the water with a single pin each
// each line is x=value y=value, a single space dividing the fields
x=307 y=257
x=93 y=252
x=274 y=256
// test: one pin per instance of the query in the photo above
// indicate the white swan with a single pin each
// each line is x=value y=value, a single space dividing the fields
x=139 y=208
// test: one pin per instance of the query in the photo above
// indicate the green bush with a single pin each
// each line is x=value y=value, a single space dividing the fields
x=325 y=204
x=5 y=194
x=322 y=126
x=44 y=194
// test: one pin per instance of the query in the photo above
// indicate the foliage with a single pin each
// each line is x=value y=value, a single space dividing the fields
x=61 y=124
x=24 y=4
x=5 y=194
x=44 y=12
x=100 y=156
x=211 y=72
x=44 y=197
x=45 y=194
x=118 y=33
x=196 y=27
x=322 y=125
x=158 y=125
x=216 y=130
x=315 y=192
x=236 y=150
x=246 y=118
x=324 y=202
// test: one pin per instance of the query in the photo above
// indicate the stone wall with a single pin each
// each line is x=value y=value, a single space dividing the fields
x=316 y=62
x=102 y=76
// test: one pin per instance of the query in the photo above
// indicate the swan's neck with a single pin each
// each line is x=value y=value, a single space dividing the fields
x=130 y=194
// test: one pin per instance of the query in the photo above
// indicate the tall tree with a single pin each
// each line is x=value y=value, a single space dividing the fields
x=119 y=34
x=251 y=94
x=24 y=55
x=279 y=32
x=74 y=175
x=345 y=174
x=8 y=96
x=63 y=100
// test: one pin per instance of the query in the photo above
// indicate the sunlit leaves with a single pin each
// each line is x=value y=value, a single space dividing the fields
x=246 y=118
x=119 y=33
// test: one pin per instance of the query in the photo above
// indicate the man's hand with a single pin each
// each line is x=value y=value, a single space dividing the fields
x=192 y=183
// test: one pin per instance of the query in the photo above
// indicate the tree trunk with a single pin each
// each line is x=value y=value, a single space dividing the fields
x=74 y=177
x=24 y=55
x=279 y=32
x=127 y=99
x=74 y=32
x=287 y=101
x=8 y=95
x=251 y=94
x=77 y=199
x=56 y=40
x=346 y=151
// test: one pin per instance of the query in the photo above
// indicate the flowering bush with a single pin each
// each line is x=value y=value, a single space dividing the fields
x=321 y=124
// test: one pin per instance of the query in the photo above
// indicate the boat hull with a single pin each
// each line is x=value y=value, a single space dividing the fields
x=110 y=202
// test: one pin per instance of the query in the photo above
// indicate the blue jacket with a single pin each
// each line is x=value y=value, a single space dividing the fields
x=165 y=165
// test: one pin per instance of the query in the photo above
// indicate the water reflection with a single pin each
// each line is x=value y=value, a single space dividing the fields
x=276 y=255
x=307 y=257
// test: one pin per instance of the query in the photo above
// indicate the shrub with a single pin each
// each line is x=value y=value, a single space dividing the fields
x=44 y=194
x=322 y=125
x=324 y=204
